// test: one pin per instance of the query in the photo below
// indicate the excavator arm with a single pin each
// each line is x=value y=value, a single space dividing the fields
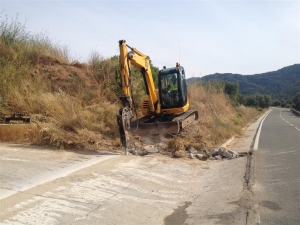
x=140 y=61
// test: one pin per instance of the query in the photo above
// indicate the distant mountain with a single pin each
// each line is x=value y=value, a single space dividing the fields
x=281 y=84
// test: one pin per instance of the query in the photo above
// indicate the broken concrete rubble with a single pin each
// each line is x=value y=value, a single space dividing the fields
x=150 y=149
x=226 y=154
x=213 y=152
x=192 y=153
x=199 y=156
x=233 y=152
x=221 y=150
x=223 y=153
x=218 y=157
x=192 y=150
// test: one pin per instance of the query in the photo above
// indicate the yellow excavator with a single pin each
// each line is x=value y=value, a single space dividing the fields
x=165 y=110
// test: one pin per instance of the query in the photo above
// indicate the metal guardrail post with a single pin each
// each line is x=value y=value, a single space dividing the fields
x=296 y=112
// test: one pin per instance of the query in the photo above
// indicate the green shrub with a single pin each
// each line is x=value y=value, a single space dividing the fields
x=236 y=121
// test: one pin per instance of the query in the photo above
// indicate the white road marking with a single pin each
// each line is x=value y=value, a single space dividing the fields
x=255 y=147
x=279 y=168
x=14 y=159
x=286 y=152
x=289 y=122
x=270 y=166
x=283 y=182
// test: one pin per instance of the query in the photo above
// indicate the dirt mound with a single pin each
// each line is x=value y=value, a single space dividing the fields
x=66 y=77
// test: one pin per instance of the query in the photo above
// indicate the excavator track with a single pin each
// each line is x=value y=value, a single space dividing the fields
x=186 y=118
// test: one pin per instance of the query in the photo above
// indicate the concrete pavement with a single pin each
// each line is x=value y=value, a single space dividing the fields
x=154 y=189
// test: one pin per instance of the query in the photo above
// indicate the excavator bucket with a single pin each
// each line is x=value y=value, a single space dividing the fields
x=155 y=128
x=143 y=126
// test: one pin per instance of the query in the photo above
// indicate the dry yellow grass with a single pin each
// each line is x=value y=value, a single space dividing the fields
x=63 y=121
x=218 y=119
x=175 y=145
x=69 y=119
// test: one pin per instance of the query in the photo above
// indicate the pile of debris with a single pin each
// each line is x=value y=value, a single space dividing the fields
x=177 y=149
x=141 y=150
x=215 y=154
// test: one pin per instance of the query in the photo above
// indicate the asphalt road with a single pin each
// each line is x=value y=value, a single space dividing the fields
x=277 y=169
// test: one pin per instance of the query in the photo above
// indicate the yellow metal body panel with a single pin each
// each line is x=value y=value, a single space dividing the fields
x=140 y=61
x=151 y=104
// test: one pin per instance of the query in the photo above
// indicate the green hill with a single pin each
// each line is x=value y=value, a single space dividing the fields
x=281 y=84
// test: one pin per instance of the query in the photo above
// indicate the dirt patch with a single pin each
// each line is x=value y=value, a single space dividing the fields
x=270 y=205
x=178 y=216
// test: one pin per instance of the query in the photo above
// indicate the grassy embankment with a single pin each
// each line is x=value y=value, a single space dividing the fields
x=74 y=104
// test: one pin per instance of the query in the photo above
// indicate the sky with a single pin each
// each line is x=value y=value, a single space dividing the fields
x=209 y=36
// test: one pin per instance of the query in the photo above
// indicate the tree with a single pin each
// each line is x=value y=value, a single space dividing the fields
x=232 y=90
x=283 y=104
x=251 y=101
x=296 y=101
x=241 y=99
x=267 y=100
x=276 y=103
x=264 y=101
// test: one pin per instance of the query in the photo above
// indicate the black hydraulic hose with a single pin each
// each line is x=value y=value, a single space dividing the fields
x=137 y=124
x=133 y=102
x=129 y=47
x=128 y=85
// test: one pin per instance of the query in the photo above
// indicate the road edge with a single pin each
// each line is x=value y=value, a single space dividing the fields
x=257 y=135
x=252 y=216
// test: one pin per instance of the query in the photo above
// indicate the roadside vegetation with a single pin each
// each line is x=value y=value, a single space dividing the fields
x=258 y=101
x=281 y=85
x=74 y=104
x=296 y=102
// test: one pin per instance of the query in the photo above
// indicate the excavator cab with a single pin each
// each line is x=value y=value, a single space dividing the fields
x=172 y=87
